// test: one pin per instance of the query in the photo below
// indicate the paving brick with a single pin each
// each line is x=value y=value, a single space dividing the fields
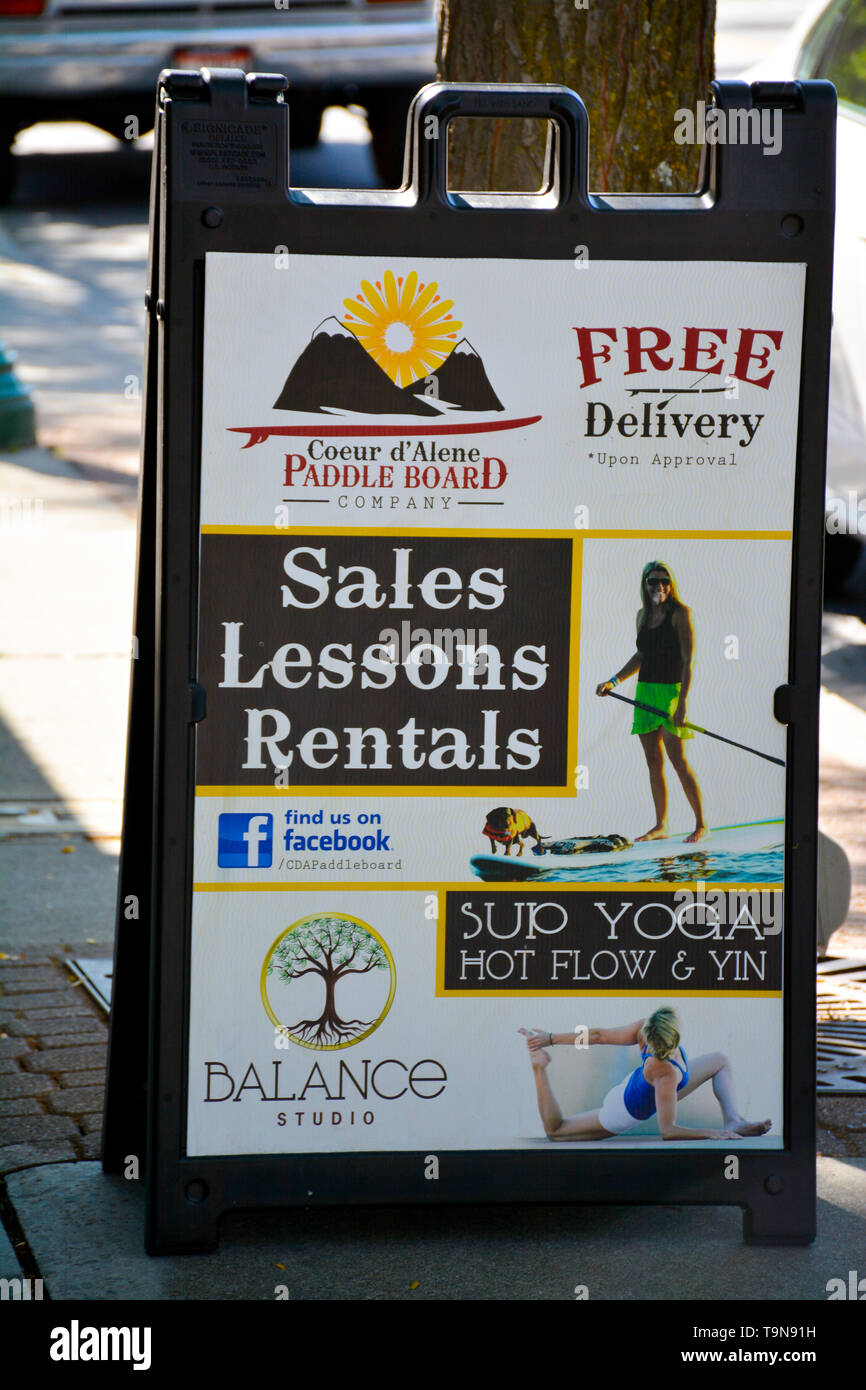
x=18 y=1156
x=81 y=1027
x=18 y=981
x=90 y=1124
x=13 y=1047
x=91 y=1146
x=82 y=1078
x=78 y=1100
x=23 y=962
x=43 y=1000
x=35 y=1128
x=66 y=1040
x=17 y=1028
x=56 y=1059
x=24 y=1084
x=19 y=1008
x=20 y=1105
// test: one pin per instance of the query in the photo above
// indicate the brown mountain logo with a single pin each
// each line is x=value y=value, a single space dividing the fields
x=334 y=372
x=396 y=352
x=461 y=381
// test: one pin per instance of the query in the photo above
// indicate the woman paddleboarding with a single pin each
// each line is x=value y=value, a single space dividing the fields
x=664 y=1076
x=663 y=663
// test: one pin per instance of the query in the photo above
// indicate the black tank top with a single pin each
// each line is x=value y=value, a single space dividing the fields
x=662 y=661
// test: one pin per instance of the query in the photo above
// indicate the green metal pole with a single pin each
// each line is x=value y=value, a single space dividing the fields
x=17 y=415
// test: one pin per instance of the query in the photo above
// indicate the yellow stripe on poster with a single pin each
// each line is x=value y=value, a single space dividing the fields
x=252 y=789
x=519 y=534
x=574 y=653
x=600 y=994
x=319 y=885
x=478 y=885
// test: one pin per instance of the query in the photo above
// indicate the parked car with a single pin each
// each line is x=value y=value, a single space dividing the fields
x=830 y=42
x=99 y=60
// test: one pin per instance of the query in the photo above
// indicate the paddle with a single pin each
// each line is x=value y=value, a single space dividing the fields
x=651 y=709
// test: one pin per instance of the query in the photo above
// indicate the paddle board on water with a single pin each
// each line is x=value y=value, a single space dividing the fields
x=726 y=839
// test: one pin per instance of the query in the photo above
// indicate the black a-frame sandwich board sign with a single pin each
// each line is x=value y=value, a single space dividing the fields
x=480 y=539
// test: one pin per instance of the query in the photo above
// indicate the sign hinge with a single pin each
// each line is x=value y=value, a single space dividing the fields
x=197 y=703
x=786 y=703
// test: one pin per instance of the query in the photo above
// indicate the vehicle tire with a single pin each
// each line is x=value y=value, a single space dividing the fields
x=841 y=556
x=386 y=116
x=305 y=121
x=8 y=164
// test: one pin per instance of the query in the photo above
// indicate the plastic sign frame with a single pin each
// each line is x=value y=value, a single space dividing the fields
x=220 y=185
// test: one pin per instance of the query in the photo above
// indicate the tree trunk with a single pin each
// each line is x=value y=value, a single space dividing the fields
x=634 y=63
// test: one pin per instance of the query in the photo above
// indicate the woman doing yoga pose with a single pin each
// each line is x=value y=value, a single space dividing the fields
x=653 y=1088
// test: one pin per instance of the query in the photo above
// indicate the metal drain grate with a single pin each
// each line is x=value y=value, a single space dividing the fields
x=837 y=1004
x=842 y=1057
x=841 y=988
x=96 y=977
x=841 y=1037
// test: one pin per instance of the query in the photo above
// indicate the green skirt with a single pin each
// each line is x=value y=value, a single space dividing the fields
x=664 y=697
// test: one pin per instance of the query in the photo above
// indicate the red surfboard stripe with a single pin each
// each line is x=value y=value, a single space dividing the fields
x=259 y=433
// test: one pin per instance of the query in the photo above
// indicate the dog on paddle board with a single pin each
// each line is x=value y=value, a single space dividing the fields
x=505 y=826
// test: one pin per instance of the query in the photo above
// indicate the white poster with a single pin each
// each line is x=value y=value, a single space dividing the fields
x=494 y=597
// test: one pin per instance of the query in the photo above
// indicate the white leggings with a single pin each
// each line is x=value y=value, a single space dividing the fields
x=613 y=1115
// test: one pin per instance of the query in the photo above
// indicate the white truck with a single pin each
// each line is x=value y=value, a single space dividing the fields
x=99 y=60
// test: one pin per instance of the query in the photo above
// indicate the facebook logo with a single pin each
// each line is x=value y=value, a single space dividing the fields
x=245 y=842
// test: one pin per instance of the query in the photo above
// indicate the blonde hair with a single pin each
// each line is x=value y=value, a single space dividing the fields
x=674 y=599
x=661 y=1032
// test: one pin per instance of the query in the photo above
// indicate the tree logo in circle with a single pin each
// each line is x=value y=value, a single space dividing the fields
x=328 y=981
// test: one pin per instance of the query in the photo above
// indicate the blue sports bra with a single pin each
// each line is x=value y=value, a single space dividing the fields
x=639 y=1096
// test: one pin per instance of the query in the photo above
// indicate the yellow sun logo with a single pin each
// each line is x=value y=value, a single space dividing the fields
x=405 y=326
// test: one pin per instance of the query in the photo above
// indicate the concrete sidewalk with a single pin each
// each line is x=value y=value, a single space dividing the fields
x=67 y=557
x=85 y=1233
